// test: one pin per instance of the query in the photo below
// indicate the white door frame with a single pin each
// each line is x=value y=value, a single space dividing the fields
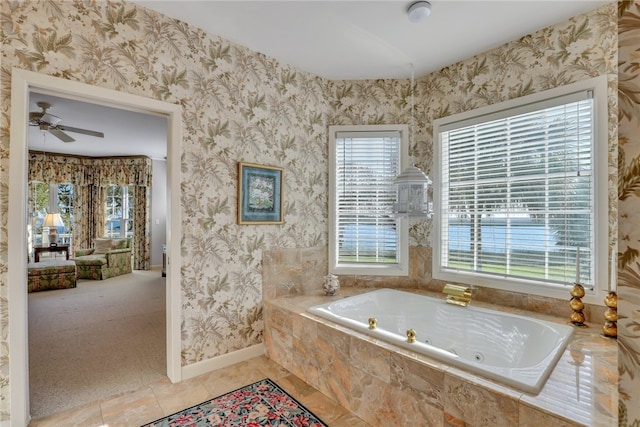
x=22 y=82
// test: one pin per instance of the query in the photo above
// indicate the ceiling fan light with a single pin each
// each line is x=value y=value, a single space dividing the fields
x=418 y=11
x=51 y=119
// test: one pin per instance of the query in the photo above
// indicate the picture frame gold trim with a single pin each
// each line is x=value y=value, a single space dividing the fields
x=259 y=194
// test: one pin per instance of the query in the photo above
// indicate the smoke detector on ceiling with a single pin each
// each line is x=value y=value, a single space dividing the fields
x=419 y=11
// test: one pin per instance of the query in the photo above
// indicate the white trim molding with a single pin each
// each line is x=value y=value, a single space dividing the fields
x=219 y=362
x=22 y=83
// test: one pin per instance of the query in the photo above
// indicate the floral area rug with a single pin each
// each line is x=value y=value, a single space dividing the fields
x=262 y=403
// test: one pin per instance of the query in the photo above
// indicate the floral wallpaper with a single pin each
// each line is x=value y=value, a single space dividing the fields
x=239 y=105
x=629 y=213
x=581 y=48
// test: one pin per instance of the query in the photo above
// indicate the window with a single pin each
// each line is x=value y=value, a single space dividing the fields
x=119 y=211
x=365 y=237
x=50 y=198
x=519 y=204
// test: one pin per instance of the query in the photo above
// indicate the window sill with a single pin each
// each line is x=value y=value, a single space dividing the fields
x=370 y=269
x=592 y=296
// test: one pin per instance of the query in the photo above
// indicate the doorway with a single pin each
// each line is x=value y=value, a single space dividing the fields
x=108 y=332
x=23 y=82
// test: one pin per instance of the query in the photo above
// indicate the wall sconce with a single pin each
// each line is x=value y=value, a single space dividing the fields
x=412 y=197
x=53 y=221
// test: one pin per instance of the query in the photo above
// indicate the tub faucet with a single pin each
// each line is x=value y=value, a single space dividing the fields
x=457 y=295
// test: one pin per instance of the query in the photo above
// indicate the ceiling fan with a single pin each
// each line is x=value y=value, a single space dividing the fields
x=49 y=122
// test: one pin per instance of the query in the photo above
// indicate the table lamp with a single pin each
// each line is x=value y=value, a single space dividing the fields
x=53 y=221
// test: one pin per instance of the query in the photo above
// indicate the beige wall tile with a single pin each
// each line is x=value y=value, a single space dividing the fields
x=478 y=406
x=426 y=382
x=278 y=345
x=370 y=358
x=413 y=410
x=333 y=364
x=532 y=417
x=369 y=399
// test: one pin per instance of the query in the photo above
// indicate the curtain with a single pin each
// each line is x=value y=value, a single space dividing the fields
x=135 y=171
x=51 y=167
x=141 y=240
x=122 y=171
x=97 y=203
x=90 y=176
x=82 y=227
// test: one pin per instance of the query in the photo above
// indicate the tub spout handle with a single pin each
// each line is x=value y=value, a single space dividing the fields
x=457 y=295
x=373 y=323
x=411 y=335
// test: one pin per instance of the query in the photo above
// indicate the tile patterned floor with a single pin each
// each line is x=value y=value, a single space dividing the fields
x=164 y=398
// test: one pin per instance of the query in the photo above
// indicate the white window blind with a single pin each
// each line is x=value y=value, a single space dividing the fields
x=517 y=198
x=366 y=164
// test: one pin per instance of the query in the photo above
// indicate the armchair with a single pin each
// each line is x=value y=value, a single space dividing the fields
x=108 y=258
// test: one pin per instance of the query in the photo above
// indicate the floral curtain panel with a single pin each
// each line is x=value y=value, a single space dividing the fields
x=49 y=167
x=122 y=171
x=97 y=202
x=90 y=176
x=141 y=217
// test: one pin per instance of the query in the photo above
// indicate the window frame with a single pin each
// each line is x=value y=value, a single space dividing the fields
x=126 y=203
x=34 y=221
x=600 y=253
x=401 y=268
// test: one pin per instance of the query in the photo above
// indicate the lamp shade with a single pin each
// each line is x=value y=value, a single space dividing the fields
x=53 y=220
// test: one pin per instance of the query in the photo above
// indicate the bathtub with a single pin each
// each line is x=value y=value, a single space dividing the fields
x=518 y=351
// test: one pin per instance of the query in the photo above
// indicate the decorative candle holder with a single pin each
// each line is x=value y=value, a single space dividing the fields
x=330 y=284
x=610 y=327
x=576 y=304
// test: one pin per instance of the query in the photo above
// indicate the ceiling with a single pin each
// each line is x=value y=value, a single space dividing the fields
x=340 y=40
x=345 y=40
x=126 y=133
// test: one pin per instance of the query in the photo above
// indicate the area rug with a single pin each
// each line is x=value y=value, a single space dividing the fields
x=262 y=403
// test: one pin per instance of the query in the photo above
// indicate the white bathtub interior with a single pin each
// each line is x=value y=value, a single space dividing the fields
x=515 y=350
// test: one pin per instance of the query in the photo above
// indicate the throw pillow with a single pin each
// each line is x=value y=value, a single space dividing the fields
x=121 y=243
x=103 y=245
x=83 y=252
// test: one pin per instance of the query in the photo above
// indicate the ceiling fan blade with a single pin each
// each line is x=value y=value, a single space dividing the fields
x=50 y=118
x=61 y=135
x=82 y=131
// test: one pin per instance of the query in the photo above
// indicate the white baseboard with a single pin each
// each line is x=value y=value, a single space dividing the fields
x=223 y=361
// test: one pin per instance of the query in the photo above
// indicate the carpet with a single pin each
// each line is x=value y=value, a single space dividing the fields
x=100 y=339
x=262 y=403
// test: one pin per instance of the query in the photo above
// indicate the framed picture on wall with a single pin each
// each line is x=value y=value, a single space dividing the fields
x=259 y=194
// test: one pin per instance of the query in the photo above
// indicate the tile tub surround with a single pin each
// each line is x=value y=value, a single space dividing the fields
x=383 y=384
x=518 y=351
x=299 y=271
